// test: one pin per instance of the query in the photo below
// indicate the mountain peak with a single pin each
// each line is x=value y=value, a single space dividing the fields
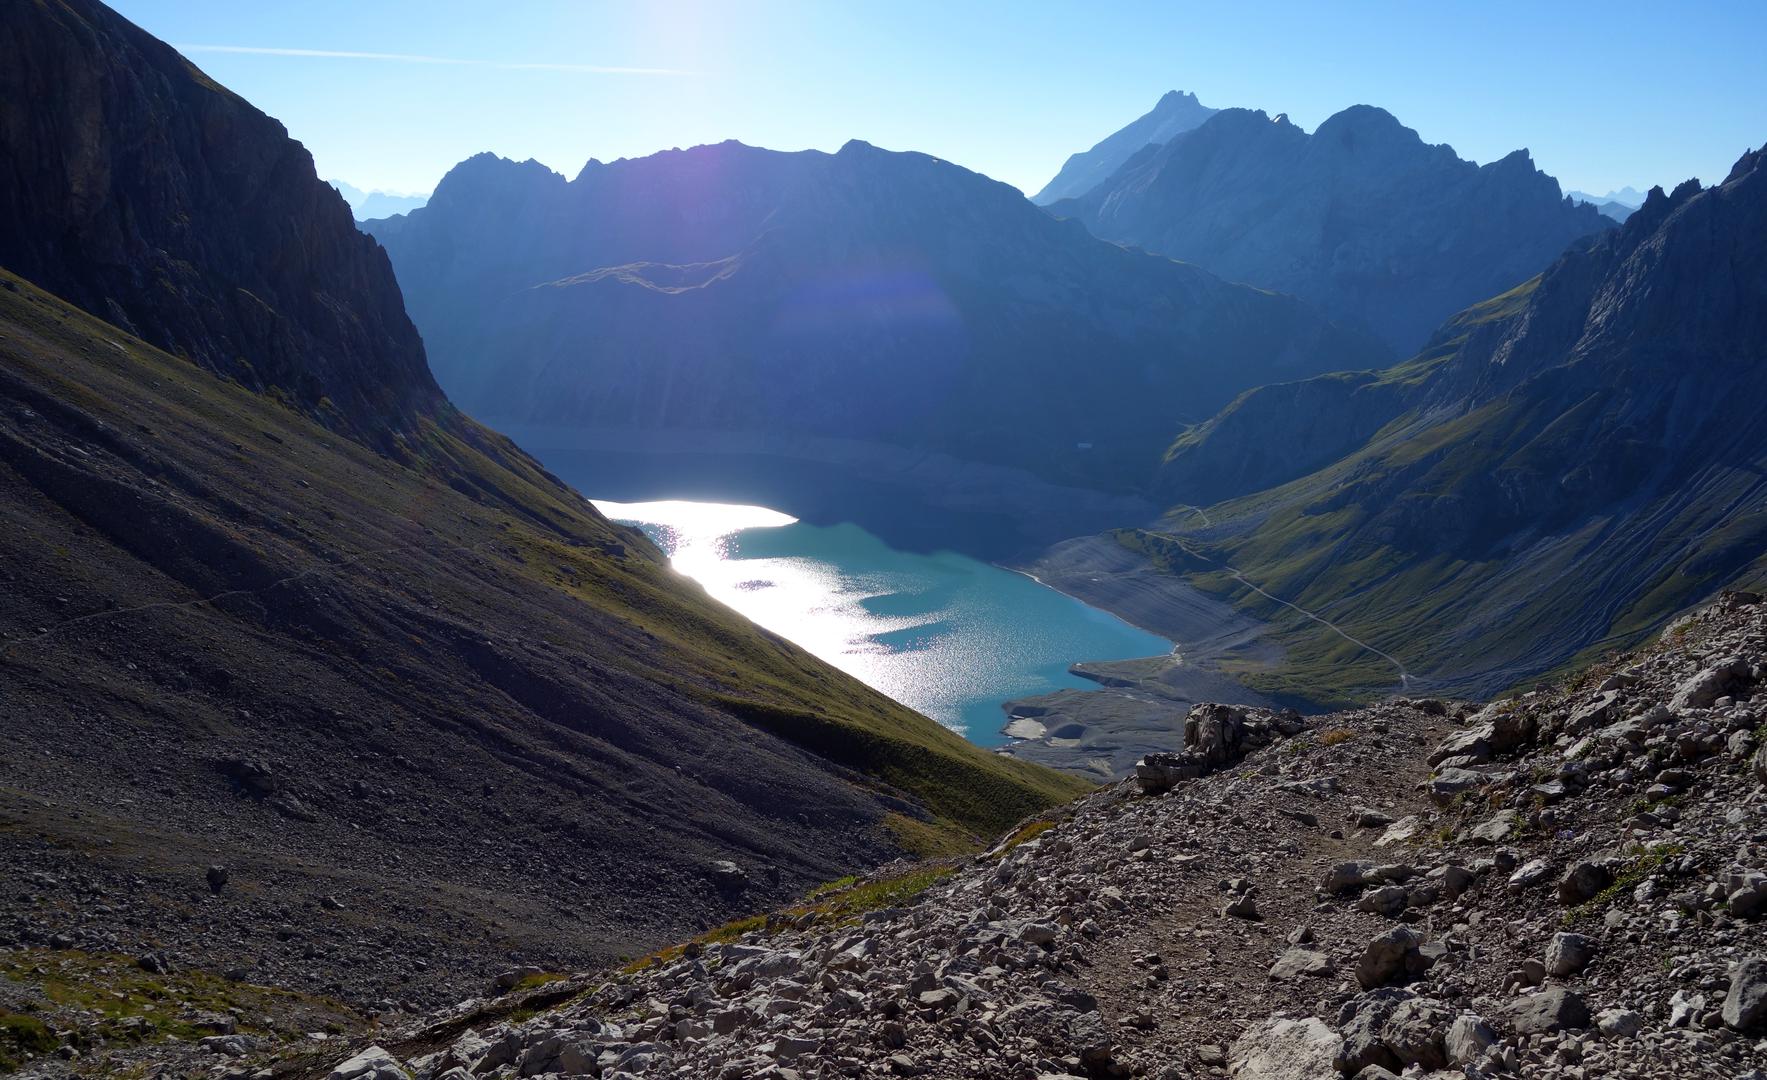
x=486 y=174
x=1255 y=198
x=1175 y=113
x=1354 y=126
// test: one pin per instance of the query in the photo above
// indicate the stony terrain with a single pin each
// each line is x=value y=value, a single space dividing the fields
x=1565 y=883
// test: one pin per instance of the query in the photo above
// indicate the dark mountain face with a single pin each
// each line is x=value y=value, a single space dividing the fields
x=1361 y=218
x=1176 y=113
x=868 y=295
x=118 y=162
x=365 y=649
x=1564 y=467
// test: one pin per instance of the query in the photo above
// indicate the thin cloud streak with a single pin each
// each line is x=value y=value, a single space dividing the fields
x=413 y=58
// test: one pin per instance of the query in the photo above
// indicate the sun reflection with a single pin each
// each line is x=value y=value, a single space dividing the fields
x=942 y=633
x=808 y=600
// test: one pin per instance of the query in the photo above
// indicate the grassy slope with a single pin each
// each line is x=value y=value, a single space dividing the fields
x=1302 y=541
x=313 y=499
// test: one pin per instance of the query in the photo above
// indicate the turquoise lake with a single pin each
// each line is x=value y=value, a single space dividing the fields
x=941 y=632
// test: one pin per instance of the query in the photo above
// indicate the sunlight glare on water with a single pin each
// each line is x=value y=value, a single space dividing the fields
x=942 y=633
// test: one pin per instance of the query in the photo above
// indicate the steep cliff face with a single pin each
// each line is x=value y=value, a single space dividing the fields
x=866 y=294
x=1176 y=113
x=134 y=186
x=1568 y=465
x=1360 y=218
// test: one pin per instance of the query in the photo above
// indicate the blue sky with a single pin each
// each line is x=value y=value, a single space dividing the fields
x=1604 y=95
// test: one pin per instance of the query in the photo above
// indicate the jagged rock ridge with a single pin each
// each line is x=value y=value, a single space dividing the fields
x=1360 y=218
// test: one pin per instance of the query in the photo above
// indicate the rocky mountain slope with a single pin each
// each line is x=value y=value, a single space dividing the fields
x=890 y=298
x=1361 y=218
x=1564 y=467
x=1563 y=884
x=1174 y=114
x=340 y=691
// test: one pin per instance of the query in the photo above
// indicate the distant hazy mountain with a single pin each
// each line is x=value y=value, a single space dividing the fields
x=366 y=205
x=868 y=295
x=1615 y=204
x=1563 y=468
x=1629 y=197
x=1176 y=113
x=1362 y=218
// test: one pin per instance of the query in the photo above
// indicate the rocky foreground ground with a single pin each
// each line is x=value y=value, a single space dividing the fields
x=1561 y=884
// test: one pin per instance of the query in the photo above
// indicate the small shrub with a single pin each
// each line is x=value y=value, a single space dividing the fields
x=1336 y=736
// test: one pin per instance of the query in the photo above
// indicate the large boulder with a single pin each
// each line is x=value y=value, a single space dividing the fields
x=1392 y=1028
x=1745 y=1005
x=1699 y=691
x=1467 y=1040
x=374 y=1063
x=1298 y=962
x=1279 y=1049
x=728 y=877
x=1214 y=736
x=1583 y=882
x=1567 y=954
x=1548 y=1011
x=1392 y=957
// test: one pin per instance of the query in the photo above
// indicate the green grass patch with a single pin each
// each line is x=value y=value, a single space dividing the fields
x=1630 y=877
x=23 y=1037
x=132 y=1005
